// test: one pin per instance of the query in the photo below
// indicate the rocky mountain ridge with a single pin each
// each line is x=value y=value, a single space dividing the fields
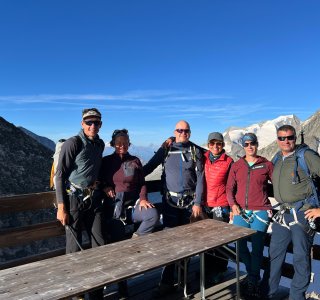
x=41 y=139
x=25 y=163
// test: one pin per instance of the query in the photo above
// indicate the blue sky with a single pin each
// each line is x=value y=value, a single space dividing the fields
x=148 y=64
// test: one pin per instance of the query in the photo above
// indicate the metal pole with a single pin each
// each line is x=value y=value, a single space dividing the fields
x=74 y=236
x=202 y=277
x=185 y=269
x=237 y=270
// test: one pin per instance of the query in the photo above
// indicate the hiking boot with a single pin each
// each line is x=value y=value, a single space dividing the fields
x=250 y=290
x=163 y=289
x=243 y=284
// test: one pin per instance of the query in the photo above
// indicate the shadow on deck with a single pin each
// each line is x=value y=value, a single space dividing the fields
x=142 y=286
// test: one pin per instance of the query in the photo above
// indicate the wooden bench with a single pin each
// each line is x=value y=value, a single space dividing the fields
x=73 y=274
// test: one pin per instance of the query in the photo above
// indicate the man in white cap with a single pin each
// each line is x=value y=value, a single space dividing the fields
x=79 y=204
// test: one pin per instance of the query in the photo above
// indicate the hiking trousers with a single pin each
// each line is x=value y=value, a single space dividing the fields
x=172 y=217
x=88 y=217
x=214 y=262
x=148 y=219
x=302 y=242
x=253 y=260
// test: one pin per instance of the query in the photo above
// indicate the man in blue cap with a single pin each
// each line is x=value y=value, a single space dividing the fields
x=77 y=172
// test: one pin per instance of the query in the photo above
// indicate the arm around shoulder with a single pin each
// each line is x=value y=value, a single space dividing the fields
x=155 y=161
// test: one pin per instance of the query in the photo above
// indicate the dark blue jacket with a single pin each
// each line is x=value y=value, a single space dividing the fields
x=183 y=168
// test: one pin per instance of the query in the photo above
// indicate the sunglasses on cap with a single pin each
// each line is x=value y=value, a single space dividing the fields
x=249 y=144
x=183 y=130
x=95 y=123
x=289 y=137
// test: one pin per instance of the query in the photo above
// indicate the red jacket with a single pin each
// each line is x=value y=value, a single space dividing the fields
x=247 y=186
x=216 y=175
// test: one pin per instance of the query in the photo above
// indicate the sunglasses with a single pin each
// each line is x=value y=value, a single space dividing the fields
x=183 y=130
x=219 y=144
x=95 y=123
x=289 y=137
x=249 y=144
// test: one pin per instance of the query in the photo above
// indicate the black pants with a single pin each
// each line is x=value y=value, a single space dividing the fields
x=214 y=261
x=88 y=216
x=173 y=217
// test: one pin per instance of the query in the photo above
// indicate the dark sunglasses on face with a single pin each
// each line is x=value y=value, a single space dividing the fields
x=219 y=144
x=249 y=144
x=183 y=130
x=95 y=123
x=289 y=137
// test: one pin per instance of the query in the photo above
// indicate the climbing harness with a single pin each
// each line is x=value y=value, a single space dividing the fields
x=184 y=200
x=249 y=215
x=280 y=219
x=218 y=211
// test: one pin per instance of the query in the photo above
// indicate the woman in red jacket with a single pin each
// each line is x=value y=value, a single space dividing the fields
x=248 y=199
x=216 y=169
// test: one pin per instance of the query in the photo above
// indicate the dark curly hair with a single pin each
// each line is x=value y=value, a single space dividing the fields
x=119 y=132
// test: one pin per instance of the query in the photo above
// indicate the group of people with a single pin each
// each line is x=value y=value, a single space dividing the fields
x=105 y=193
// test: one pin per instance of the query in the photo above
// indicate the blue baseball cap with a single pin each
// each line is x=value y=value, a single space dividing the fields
x=249 y=137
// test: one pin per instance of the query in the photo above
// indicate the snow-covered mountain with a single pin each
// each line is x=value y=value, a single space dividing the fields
x=266 y=133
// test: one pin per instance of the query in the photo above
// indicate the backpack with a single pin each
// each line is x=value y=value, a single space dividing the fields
x=300 y=161
x=56 y=159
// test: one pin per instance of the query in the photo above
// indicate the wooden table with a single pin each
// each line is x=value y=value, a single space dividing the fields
x=73 y=274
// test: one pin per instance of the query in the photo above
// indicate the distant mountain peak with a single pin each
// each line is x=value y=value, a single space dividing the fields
x=266 y=133
x=41 y=139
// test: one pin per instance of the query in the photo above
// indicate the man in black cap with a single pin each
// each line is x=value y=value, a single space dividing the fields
x=77 y=171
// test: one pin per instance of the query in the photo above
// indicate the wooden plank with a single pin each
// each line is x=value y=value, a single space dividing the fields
x=27 y=202
x=24 y=235
x=32 y=258
x=43 y=200
x=73 y=274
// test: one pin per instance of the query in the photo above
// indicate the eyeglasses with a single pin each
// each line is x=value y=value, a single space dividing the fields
x=183 y=130
x=289 y=137
x=249 y=144
x=95 y=123
x=219 y=144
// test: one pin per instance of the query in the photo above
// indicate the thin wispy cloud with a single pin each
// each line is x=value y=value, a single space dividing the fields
x=140 y=96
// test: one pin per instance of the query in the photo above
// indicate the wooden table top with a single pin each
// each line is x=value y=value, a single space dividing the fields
x=73 y=274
